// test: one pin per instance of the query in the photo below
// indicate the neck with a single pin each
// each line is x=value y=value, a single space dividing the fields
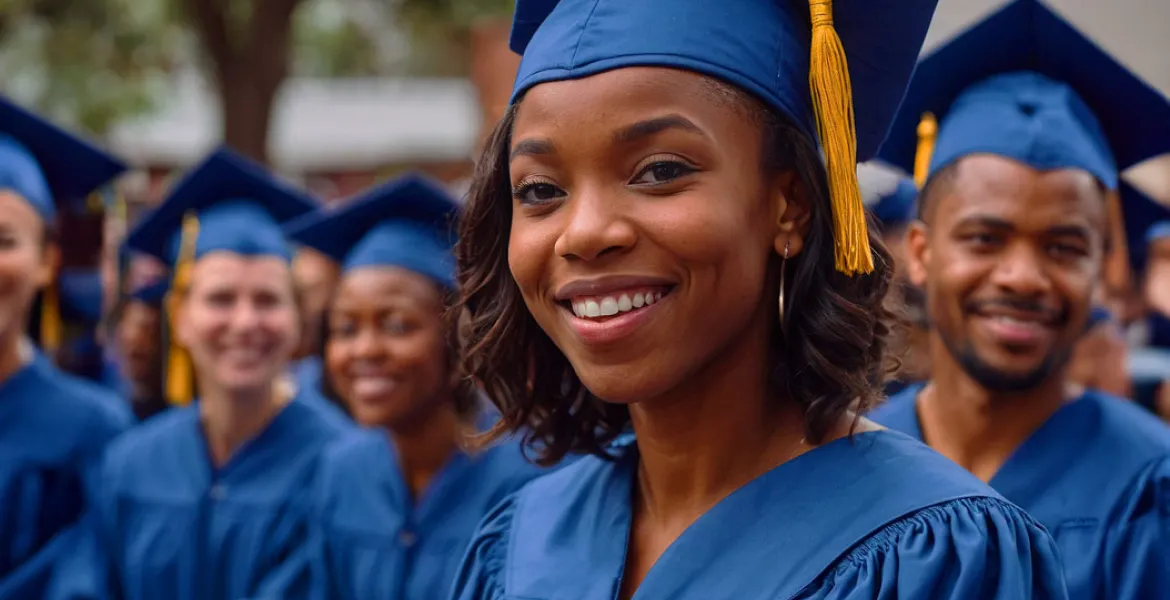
x=712 y=435
x=13 y=354
x=425 y=447
x=231 y=420
x=979 y=428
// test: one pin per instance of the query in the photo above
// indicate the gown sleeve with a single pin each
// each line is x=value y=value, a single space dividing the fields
x=1137 y=553
x=967 y=549
x=481 y=575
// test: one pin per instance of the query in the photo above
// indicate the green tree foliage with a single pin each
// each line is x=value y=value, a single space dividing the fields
x=87 y=63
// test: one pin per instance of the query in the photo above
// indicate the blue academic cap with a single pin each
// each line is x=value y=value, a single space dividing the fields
x=47 y=165
x=152 y=293
x=81 y=294
x=238 y=205
x=891 y=198
x=771 y=48
x=1158 y=231
x=1027 y=85
x=407 y=222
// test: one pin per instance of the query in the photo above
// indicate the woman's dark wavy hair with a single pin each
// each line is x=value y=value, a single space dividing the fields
x=830 y=358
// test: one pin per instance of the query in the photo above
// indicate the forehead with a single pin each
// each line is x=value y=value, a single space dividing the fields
x=240 y=272
x=987 y=186
x=385 y=285
x=621 y=95
x=14 y=209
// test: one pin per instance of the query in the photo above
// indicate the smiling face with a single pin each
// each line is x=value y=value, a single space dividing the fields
x=239 y=321
x=1009 y=261
x=387 y=348
x=26 y=265
x=641 y=243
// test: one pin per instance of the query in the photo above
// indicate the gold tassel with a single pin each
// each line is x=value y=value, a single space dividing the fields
x=51 y=326
x=179 y=376
x=927 y=132
x=832 y=98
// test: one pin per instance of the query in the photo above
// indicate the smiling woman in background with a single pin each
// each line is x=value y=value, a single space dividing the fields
x=52 y=425
x=666 y=150
x=210 y=500
x=400 y=501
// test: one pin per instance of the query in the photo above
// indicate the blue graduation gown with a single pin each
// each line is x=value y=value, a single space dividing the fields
x=53 y=427
x=880 y=516
x=1097 y=475
x=173 y=526
x=376 y=542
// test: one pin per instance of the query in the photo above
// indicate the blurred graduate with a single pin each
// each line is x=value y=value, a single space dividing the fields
x=658 y=268
x=400 y=500
x=210 y=498
x=136 y=324
x=1034 y=124
x=53 y=426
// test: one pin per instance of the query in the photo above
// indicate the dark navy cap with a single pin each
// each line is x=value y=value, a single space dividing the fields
x=407 y=222
x=239 y=206
x=1025 y=84
x=46 y=165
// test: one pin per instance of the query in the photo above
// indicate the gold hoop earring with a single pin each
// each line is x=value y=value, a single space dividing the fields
x=780 y=301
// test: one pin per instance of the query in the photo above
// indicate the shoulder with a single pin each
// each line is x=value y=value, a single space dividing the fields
x=348 y=458
x=94 y=406
x=317 y=420
x=1122 y=423
x=143 y=444
x=977 y=547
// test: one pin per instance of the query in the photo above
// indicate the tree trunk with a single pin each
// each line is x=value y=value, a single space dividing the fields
x=248 y=71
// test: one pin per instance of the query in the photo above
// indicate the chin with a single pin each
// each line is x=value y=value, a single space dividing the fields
x=625 y=384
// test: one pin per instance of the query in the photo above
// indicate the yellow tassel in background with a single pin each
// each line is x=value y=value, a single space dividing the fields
x=927 y=132
x=179 y=376
x=51 y=326
x=832 y=98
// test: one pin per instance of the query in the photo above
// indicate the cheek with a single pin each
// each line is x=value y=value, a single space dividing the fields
x=20 y=269
x=337 y=357
x=531 y=247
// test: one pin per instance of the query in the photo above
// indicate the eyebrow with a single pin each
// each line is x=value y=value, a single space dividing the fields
x=649 y=127
x=630 y=133
x=1001 y=225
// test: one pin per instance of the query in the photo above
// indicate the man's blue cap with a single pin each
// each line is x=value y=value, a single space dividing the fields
x=761 y=46
x=407 y=222
x=1158 y=231
x=46 y=165
x=239 y=206
x=1027 y=85
x=81 y=294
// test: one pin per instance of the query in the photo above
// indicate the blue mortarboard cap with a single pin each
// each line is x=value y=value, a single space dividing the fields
x=1097 y=316
x=896 y=206
x=761 y=46
x=1025 y=84
x=1158 y=231
x=152 y=293
x=239 y=206
x=47 y=165
x=407 y=223
x=773 y=49
x=81 y=294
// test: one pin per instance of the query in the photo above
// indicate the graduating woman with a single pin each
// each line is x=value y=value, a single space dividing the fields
x=53 y=426
x=652 y=241
x=210 y=499
x=399 y=501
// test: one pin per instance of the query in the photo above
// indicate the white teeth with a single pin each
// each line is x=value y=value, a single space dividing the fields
x=607 y=306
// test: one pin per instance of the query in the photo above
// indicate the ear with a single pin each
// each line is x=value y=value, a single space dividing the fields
x=790 y=205
x=917 y=252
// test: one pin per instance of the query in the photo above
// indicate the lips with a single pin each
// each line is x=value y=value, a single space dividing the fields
x=1017 y=326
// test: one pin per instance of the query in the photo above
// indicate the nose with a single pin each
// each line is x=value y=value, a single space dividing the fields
x=596 y=227
x=367 y=344
x=1022 y=272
